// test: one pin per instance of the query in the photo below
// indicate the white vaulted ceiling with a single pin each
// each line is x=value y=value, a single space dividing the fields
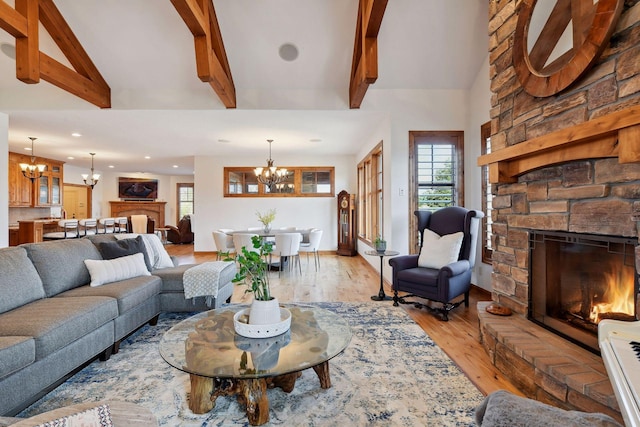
x=160 y=108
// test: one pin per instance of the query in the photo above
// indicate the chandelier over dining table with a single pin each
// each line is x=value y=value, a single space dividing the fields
x=271 y=175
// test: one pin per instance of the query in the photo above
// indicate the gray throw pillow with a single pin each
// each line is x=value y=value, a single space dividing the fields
x=124 y=247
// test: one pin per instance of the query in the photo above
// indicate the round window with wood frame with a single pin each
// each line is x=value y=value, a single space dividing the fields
x=568 y=39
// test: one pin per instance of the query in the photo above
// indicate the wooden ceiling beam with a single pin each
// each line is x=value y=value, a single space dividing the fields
x=57 y=27
x=85 y=81
x=364 y=65
x=12 y=21
x=65 y=78
x=212 y=65
x=27 y=48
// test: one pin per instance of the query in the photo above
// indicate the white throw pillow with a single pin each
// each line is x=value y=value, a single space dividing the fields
x=438 y=251
x=113 y=270
x=156 y=252
x=161 y=258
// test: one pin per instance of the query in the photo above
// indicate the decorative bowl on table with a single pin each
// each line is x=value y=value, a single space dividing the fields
x=244 y=328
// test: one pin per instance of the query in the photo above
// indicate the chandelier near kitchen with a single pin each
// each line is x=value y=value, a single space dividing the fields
x=32 y=170
x=271 y=175
x=94 y=176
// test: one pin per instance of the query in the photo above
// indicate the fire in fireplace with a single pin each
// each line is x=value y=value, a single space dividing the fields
x=576 y=280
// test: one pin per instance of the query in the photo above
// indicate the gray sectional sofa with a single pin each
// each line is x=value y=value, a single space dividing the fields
x=52 y=322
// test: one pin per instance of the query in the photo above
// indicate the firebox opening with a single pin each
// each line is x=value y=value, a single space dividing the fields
x=576 y=280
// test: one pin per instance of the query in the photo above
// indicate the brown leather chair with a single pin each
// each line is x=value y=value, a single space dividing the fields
x=182 y=233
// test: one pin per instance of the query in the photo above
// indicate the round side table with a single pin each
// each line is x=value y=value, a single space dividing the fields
x=381 y=295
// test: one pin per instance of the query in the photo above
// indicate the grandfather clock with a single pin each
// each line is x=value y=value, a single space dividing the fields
x=346 y=224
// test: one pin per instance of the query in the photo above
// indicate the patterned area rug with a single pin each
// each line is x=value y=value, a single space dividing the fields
x=391 y=374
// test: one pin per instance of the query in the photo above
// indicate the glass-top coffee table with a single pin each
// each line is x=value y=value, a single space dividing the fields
x=221 y=362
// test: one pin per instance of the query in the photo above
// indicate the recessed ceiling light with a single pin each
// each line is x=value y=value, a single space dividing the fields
x=70 y=157
x=147 y=157
x=288 y=52
x=8 y=49
x=76 y=134
x=111 y=166
x=175 y=166
x=27 y=148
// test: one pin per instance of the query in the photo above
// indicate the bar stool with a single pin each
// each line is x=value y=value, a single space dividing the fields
x=69 y=230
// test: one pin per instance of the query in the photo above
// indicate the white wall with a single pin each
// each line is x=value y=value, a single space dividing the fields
x=4 y=181
x=73 y=175
x=479 y=113
x=213 y=210
x=413 y=110
x=409 y=110
x=107 y=190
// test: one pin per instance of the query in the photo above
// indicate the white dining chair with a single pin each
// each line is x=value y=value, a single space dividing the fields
x=288 y=246
x=224 y=243
x=241 y=240
x=312 y=246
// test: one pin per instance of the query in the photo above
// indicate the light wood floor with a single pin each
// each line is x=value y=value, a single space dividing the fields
x=352 y=279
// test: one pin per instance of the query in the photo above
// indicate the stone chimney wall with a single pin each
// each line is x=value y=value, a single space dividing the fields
x=597 y=196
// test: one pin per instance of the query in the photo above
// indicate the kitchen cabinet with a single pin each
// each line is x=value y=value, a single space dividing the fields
x=49 y=186
x=20 y=188
x=13 y=236
x=32 y=231
x=42 y=192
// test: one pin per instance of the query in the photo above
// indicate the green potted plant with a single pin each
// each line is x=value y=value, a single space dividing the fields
x=253 y=272
x=380 y=244
x=266 y=219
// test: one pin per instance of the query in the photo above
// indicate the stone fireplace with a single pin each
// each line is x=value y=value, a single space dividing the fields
x=565 y=164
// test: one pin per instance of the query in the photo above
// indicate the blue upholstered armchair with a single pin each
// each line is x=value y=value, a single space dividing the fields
x=442 y=270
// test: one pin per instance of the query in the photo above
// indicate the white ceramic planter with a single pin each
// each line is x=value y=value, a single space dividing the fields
x=246 y=329
x=264 y=312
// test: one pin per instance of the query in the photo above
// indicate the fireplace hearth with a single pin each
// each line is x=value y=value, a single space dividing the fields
x=577 y=280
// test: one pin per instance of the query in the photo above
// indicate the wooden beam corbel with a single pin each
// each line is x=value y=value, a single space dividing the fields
x=616 y=134
x=364 y=65
x=85 y=81
x=212 y=65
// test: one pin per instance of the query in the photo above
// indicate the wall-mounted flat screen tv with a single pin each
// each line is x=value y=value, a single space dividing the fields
x=137 y=188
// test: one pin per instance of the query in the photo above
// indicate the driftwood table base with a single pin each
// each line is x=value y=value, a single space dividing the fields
x=250 y=392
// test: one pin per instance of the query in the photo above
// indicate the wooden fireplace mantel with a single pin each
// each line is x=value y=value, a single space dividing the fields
x=614 y=135
x=153 y=210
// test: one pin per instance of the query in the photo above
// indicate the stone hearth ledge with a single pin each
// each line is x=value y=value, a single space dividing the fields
x=545 y=366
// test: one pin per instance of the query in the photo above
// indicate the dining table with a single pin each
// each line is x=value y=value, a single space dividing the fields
x=272 y=233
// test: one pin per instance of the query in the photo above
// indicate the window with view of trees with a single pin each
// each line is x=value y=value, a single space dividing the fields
x=436 y=174
x=185 y=200
x=370 y=195
x=487 y=196
x=301 y=182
